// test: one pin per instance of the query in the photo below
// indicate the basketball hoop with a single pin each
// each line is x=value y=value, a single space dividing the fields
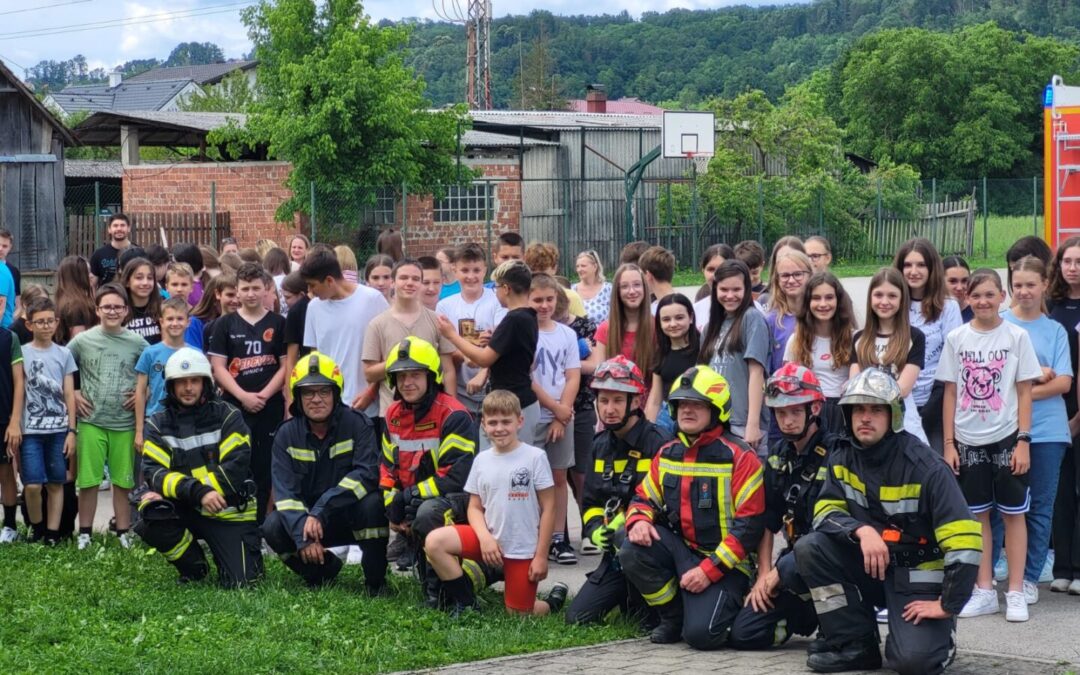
x=701 y=162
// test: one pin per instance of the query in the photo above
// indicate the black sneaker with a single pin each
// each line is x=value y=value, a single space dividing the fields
x=556 y=597
x=562 y=553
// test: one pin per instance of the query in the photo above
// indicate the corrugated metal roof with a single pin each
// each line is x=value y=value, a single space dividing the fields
x=127 y=96
x=210 y=73
x=557 y=120
x=93 y=168
x=486 y=139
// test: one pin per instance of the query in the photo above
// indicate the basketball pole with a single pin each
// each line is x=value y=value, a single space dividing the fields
x=633 y=178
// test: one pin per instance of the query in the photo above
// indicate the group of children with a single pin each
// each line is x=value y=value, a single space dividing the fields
x=988 y=377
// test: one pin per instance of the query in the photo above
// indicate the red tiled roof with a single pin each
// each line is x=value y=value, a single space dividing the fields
x=619 y=106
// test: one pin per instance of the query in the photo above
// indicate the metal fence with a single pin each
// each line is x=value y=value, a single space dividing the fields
x=980 y=218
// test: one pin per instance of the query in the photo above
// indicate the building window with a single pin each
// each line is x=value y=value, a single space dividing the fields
x=382 y=211
x=465 y=204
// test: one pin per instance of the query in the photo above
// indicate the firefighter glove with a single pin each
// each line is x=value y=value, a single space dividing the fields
x=412 y=500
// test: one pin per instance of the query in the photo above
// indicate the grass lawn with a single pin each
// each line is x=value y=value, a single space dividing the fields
x=107 y=609
x=1001 y=233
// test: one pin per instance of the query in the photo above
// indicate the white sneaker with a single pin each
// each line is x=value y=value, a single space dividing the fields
x=340 y=552
x=1060 y=585
x=84 y=541
x=882 y=616
x=8 y=535
x=1031 y=592
x=1074 y=587
x=589 y=548
x=1015 y=606
x=125 y=539
x=354 y=556
x=983 y=601
x=105 y=485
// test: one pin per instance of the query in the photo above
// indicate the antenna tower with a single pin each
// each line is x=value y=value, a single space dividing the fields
x=476 y=17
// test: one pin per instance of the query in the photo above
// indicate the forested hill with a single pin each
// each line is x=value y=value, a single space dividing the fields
x=687 y=56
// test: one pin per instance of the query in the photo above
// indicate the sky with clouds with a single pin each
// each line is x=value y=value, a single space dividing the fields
x=110 y=32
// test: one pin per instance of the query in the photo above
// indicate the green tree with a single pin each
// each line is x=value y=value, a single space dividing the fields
x=537 y=85
x=194 y=54
x=233 y=94
x=336 y=100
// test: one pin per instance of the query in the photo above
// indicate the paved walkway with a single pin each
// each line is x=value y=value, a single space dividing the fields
x=639 y=657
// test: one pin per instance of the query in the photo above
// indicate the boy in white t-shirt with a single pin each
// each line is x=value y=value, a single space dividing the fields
x=511 y=518
x=556 y=377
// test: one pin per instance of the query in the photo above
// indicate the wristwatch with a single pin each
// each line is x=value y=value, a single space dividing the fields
x=1024 y=436
x=73 y=431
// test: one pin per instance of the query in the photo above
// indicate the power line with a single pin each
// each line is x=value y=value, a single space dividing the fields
x=35 y=9
x=13 y=62
x=131 y=21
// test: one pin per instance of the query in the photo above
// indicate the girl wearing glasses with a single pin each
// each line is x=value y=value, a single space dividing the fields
x=934 y=313
x=594 y=291
x=787 y=279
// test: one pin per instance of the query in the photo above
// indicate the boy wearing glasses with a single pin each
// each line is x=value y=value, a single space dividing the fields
x=247 y=350
x=106 y=356
x=48 y=421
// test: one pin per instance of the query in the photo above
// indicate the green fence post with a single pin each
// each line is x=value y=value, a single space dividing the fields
x=565 y=211
x=761 y=210
x=487 y=211
x=98 y=220
x=313 y=238
x=877 y=232
x=933 y=205
x=986 y=218
x=404 y=208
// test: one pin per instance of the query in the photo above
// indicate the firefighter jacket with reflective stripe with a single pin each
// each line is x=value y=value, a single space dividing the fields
x=434 y=453
x=617 y=467
x=710 y=492
x=904 y=490
x=190 y=451
x=784 y=468
x=318 y=476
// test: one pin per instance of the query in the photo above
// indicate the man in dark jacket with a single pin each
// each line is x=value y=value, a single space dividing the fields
x=325 y=472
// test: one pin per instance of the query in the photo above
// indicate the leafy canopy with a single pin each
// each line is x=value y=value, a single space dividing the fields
x=336 y=100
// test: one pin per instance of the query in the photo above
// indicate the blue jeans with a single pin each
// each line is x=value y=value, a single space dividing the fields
x=1043 y=480
x=42 y=459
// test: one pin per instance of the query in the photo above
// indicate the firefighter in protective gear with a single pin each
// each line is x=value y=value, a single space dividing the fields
x=779 y=603
x=622 y=454
x=428 y=446
x=196 y=462
x=325 y=472
x=695 y=518
x=891 y=529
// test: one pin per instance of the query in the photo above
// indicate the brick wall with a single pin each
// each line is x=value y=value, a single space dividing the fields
x=249 y=191
x=252 y=191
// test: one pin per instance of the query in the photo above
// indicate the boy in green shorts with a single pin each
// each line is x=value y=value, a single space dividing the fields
x=106 y=355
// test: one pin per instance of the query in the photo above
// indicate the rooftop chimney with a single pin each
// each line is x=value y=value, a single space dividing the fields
x=595 y=98
x=116 y=77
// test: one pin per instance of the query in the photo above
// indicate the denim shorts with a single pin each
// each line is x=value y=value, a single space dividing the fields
x=42 y=459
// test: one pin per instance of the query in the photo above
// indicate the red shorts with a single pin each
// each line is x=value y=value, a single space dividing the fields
x=520 y=593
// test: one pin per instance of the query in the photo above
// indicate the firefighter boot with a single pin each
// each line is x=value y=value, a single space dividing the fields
x=460 y=598
x=433 y=590
x=861 y=654
x=669 y=629
x=192 y=565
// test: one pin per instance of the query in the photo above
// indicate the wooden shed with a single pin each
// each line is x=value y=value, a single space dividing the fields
x=32 y=142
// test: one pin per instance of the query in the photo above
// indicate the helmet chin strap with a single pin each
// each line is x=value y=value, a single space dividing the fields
x=810 y=420
x=627 y=414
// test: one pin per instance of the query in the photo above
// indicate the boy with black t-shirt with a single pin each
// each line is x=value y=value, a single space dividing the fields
x=510 y=353
x=247 y=351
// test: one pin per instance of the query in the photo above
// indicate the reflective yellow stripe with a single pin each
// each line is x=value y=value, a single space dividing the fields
x=155 y=452
x=959 y=535
x=695 y=469
x=234 y=441
x=170 y=483
x=774 y=462
x=938 y=564
x=822 y=474
x=355 y=486
x=643 y=465
x=428 y=488
x=748 y=489
x=849 y=477
x=388 y=449
x=290 y=505
x=232 y=515
x=663 y=596
x=371 y=533
x=301 y=454
x=652 y=491
x=726 y=555
x=455 y=441
x=894 y=493
x=342 y=448
x=174 y=553
x=388 y=496
x=619 y=465
x=594 y=512
x=212 y=479
x=200 y=474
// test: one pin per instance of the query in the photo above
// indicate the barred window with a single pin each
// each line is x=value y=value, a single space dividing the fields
x=465 y=204
x=382 y=211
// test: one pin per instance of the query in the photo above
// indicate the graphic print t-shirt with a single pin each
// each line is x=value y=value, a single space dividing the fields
x=252 y=352
x=985 y=366
x=107 y=374
x=556 y=350
x=507 y=484
x=144 y=325
x=45 y=411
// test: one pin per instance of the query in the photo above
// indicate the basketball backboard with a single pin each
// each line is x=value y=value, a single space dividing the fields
x=689 y=135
